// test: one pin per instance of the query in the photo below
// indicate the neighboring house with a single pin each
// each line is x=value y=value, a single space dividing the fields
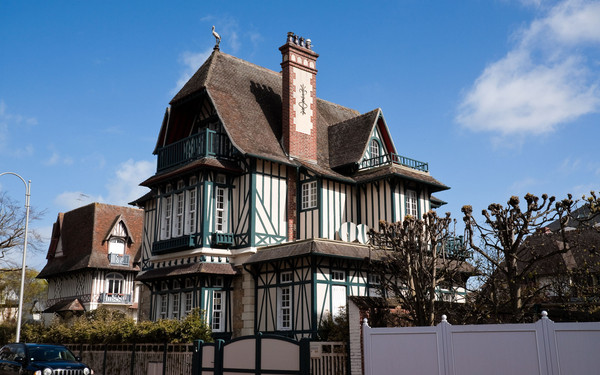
x=93 y=258
x=572 y=275
x=263 y=194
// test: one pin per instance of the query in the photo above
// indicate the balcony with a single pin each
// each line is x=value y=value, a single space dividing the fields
x=118 y=260
x=116 y=298
x=175 y=244
x=208 y=143
x=394 y=159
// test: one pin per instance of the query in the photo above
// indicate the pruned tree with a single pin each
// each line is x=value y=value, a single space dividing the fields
x=510 y=255
x=413 y=263
x=12 y=229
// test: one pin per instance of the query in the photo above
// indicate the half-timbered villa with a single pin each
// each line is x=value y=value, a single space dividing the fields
x=93 y=259
x=263 y=195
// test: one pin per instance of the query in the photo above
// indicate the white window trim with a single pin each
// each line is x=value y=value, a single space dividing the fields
x=221 y=207
x=284 y=302
x=309 y=195
x=217 y=311
x=412 y=203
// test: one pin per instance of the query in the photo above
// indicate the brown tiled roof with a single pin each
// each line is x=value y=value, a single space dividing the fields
x=400 y=171
x=67 y=305
x=348 y=139
x=187 y=269
x=210 y=163
x=583 y=251
x=331 y=248
x=247 y=99
x=82 y=233
x=312 y=246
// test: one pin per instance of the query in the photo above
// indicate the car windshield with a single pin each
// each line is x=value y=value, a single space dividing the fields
x=50 y=353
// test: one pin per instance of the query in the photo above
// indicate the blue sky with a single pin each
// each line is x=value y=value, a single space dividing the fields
x=500 y=97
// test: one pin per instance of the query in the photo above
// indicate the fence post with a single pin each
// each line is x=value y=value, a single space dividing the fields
x=132 y=360
x=304 y=356
x=164 y=370
x=104 y=360
x=366 y=332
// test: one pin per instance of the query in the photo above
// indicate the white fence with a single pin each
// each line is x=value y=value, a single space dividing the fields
x=544 y=348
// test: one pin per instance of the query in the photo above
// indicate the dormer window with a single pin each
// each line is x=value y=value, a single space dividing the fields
x=116 y=246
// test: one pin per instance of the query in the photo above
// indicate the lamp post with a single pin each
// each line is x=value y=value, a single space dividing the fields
x=23 y=266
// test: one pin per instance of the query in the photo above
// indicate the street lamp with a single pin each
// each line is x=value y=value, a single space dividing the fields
x=27 y=196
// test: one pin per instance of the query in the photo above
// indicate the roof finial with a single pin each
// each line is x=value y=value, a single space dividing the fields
x=217 y=37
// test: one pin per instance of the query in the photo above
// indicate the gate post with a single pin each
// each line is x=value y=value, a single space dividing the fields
x=219 y=356
x=197 y=357
x=304 y=356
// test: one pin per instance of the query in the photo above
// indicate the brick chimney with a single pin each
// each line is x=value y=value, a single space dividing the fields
x=299 y=98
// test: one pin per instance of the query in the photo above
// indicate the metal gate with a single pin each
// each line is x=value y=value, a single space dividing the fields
x=260 y=354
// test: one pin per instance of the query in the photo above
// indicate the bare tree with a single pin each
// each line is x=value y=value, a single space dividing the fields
x=413 y=264
x=12 y=228
x=510 y=254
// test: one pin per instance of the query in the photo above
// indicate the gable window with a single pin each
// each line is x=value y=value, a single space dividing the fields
x=116 y=246
x=284 y=315
x=309 y=195
x=375 y=151
x=411 y=203
x=217 y=314
x=221 y=209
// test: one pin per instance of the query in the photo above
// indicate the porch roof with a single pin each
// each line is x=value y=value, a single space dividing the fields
x=187 y=269
x=319 y=246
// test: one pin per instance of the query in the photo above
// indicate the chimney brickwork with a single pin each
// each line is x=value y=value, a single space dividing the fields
x=299 y=98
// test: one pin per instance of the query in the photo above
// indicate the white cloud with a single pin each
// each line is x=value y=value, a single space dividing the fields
x=56 y=159
x=124 y=187
x=70 y=200
x=192 y=62
x=544 y=81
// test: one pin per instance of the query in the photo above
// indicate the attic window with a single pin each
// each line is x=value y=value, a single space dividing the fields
x=375 y=149
x=116 y=246
x=309 y=195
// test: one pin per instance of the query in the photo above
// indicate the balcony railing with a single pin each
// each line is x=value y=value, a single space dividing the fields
x=208 y=143
x=394 y=159
x=119 y=260
x=174 y=244
x=115 y=298
x=223 y=238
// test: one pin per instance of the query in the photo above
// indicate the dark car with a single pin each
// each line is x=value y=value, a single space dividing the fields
x=40 y=359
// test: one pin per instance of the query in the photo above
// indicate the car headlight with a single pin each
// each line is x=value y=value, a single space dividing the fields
x=47 y=371
x=86 y=371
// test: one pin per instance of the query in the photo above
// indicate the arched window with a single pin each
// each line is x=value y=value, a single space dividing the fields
x=375 y=152
x=114 y=284
x=116 y=245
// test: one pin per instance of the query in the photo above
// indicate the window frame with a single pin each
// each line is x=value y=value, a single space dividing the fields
x=285 y=301
x=309 y=195
x=412 y=203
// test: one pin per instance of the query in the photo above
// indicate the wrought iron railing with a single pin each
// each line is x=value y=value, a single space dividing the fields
x=117 y=259
x=115 y=298
x=208 y=143
x=394 y=159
